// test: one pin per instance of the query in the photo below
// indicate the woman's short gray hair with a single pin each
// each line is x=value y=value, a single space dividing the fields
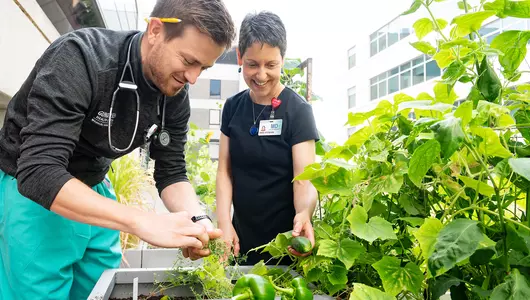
x=264 y=28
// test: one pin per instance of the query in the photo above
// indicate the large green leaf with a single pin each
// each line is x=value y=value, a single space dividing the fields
x=521 y=166
x=517 y=258
x=376 y=228
x=488 y=83
x=444 y=58
x=327 y=248
x=465 y=42
x=397 y=279
x=347 y=251
x=426 y=105
x=471 y=22
x=441 y=23
x=342 y=152
x=479 y=186
x=490 y=145
x=465 y=112
x=411 y=204
x=514 y=288
x=427 y=235
x=522 y=118
x=453 y=72
x=416 y=4
x=445 y=93
x=358 y=138
x=464 y=6
x=513 y=44
x=364 y=292
x=424 y=47
x=457 y=241
x=505 y=8
x=449 y=134
x=338 y=275
x=474 y=95
x=516 y=240
x=422 y=159
x=316 y=170
x=340 y=182
x=414 y=221
x=383 y=107
x=423 y=27
x=442 y=284
x=488 y=110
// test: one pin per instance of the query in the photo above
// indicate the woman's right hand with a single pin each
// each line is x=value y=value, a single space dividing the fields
x=230 y=236
x=170 y=230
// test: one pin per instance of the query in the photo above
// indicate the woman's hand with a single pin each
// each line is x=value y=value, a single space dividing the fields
x=230 y=237
x=303 y=227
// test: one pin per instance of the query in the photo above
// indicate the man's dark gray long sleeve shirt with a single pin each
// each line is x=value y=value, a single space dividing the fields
x=55 y=126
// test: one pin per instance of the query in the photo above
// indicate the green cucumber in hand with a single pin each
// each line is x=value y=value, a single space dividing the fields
x=301 y=244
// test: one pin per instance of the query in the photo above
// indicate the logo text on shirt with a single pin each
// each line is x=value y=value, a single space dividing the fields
x=102 y=118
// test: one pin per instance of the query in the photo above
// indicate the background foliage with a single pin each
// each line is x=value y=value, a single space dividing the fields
x=416 y=208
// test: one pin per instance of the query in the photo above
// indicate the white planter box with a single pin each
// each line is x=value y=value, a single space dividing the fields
x=118 y=283
x=155 y=258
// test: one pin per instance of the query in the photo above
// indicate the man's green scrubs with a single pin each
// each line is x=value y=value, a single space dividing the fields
x=67 y=265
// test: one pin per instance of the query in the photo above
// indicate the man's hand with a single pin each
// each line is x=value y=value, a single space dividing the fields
x=170 y=230
x=213 y=233
x=303 y=227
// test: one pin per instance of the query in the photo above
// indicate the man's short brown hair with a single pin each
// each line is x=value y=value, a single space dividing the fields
x=211 y=17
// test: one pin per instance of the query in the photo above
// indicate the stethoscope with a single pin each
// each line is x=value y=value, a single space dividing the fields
x=163 y=136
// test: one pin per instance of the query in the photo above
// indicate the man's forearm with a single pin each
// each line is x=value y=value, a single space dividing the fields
x=181 y=196
x=78 y=202
x=305 y=197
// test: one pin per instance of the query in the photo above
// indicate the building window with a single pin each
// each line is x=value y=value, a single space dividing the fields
x=413 y=72
x=229 y=57
x=215 y=117
x=352 y=97
x=391 y=33
x=351 y=131
x=351 y=58
x=215 y=88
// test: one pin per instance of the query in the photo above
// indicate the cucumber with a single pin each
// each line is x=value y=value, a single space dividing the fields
x=301 y=244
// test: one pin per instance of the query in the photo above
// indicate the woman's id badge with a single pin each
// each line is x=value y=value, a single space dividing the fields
x=270 y=127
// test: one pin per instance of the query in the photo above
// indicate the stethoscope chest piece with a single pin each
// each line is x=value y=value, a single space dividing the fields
x=163 y=138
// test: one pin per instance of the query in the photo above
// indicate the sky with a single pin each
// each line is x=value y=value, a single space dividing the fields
x=324 y=31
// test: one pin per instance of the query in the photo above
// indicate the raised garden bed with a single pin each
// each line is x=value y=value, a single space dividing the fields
x=155 y=258
x=118 y=284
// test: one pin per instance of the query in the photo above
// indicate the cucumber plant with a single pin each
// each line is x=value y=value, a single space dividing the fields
x=416 y=208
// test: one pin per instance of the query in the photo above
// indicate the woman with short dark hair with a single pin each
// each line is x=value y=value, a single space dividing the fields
x=268 y=137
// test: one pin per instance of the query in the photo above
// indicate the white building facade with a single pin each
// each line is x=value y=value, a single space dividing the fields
x=28 y=27
x=382 y=63
x=209 y=93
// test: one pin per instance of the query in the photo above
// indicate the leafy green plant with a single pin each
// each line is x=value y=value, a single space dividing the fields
x=413 y=209
x=129 y=180
x=212 y=280
x=201 y=169
x=292 y=76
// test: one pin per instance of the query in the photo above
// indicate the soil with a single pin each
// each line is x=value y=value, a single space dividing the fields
x=144 y=297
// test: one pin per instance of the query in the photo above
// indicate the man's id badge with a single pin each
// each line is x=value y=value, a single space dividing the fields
x=270 y=127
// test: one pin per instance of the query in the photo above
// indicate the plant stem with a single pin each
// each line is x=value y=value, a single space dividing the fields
x=435 y=23
x=450 y=208
x=499 y=200
x=287 y=291
x=527 y=207
x=241 y=296
x=492 y=213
